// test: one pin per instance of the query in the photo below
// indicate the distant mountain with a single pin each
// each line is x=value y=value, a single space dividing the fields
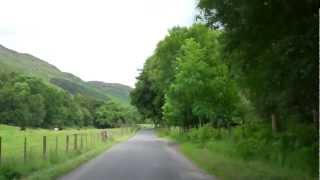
x=12 y=61
x=117 y=90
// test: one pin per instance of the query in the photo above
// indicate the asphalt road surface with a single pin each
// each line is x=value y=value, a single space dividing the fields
x=143 y=157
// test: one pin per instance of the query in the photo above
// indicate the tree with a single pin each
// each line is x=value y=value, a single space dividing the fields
x=29 y=102
x=202 y=91
x=159 y=70
x=37 y=109
x=21 y=105
x=271 y=51
x=109 y=115
x=146 y=97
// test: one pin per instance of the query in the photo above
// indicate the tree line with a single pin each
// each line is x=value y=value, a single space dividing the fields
x=248 y=64
x=220 y=69
x=186 y=83
x=30 y=102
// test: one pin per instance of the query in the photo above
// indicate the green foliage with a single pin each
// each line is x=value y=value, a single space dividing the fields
x=255 y=144
x=114 y=115
x=271 y=54
x=146 y=97
x=185 y=83
x=233 y=79
x=11 y=61
x=202 y=89
x=8 y=172
x=21 y=102
x=29 y=102
x=158 y=73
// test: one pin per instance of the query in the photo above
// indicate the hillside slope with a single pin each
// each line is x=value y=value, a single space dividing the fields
x=12 y=61
x=117 y=90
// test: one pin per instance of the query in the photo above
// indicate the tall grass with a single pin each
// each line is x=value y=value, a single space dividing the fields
x=243 y=153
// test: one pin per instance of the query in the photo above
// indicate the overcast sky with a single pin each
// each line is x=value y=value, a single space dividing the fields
x=105 y=40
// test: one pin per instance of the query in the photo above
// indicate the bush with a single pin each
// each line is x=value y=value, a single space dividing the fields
x=200 y=135
x=7 y=172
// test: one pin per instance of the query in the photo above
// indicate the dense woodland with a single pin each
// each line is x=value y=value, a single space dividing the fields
x=27 y=101
x=248 y=67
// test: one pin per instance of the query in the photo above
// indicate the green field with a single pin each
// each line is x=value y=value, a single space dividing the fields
x=16 y=163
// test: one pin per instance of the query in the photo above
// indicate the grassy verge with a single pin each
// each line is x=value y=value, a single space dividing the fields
x=218 y=158
x=62 y=168
x=23 y=155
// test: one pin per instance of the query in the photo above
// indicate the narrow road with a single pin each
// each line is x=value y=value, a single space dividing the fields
x=143 y=157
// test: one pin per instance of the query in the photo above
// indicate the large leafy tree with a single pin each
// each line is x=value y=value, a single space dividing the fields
x=272 y=45
x=146 y=96
x=20 y=103
x=202 y=91
x=111 y=114
x=159 y=70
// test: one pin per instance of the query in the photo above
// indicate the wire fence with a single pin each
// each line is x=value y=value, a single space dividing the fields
x=52 y=147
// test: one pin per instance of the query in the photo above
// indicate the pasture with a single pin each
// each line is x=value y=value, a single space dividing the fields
x=25 y=152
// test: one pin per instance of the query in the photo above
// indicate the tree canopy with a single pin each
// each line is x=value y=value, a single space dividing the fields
x=271 y=47
x=29 y=102
x=185 y=82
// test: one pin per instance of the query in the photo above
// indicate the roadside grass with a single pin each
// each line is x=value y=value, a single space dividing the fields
x=59 y=169
x=219 y=158
x=86 y=145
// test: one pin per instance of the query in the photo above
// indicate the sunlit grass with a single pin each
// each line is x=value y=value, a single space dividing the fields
x=89 y=143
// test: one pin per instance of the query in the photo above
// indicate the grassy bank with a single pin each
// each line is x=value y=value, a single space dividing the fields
x=61 y=155
x=222 y=159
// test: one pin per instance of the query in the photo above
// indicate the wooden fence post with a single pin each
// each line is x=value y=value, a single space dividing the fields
x=25 y=150
x=67 y=143
x=81 y=141
x=56 y=144
x=105 y=135
x=44 y=147
x=94 y=139
x=91 y=140
x=102 y=136
x=86 y=140
x=75 y=141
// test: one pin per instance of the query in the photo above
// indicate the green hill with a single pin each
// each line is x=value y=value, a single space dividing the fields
x=12 y=61
x=119 y=91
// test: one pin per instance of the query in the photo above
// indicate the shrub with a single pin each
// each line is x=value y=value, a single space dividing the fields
x=7 y=172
